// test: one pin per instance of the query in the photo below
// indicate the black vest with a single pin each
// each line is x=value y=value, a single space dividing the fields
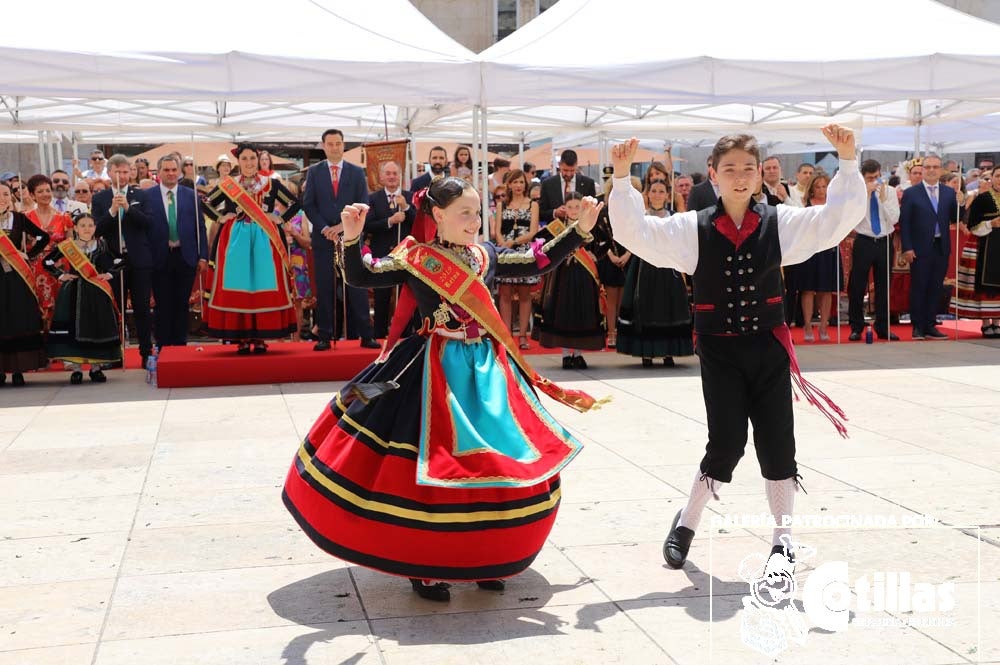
x=738 y=290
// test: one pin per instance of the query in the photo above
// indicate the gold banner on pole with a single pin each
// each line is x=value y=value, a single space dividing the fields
x=377 y=154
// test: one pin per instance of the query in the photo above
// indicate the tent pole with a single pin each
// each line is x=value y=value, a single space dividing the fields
x=50 y=153
x=41 y=152
x=602 y=144
x=520 y=150
x=485 y=171
x=76 y=146
x=59 y=152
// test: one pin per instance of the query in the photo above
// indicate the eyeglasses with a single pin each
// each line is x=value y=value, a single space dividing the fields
x=60 y=182
x=97 y=159
x=81 y=191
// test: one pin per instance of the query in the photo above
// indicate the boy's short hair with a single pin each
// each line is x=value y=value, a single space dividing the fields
x=732 y=142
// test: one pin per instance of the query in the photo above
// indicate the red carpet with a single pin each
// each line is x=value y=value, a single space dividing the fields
x=292 y=362
x=284 y=362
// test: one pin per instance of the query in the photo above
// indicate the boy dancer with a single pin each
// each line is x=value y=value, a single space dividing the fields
x=734 y=252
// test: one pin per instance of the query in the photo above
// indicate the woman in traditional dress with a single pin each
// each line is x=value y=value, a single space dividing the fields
x=249 y=278
x=438 y=461
x=84 y=326
x=655 y=317
x=979 y=265
x=571 y=314
x=58 y=226
x=21 y=345
x=298 y=235
x=514 y=225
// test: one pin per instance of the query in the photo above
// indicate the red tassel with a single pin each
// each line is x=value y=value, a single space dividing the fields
x=813 y=395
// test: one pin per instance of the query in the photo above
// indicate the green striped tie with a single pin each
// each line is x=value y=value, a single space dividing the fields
x=172 y=216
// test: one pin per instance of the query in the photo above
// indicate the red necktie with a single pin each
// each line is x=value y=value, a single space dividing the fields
x=334 y=175
x=565 y=190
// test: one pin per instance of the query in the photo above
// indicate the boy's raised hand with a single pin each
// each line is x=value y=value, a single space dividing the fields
x=842 y=140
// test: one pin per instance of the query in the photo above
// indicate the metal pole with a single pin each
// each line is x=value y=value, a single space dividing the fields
x=59 y=153
x=958 y=256
x=50 y=153
x=41 y=152
x=121 y=276
x=485 y=172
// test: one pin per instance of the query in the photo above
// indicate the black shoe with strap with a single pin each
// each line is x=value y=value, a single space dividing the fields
x=579 y=362
x=678 y=543
x=491 y=585
x=97 y=376
x=436 y=592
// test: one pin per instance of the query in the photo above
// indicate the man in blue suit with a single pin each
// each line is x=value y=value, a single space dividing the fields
x=124 y=205
x=927 y=209
x=331 y=185
x=179 y=248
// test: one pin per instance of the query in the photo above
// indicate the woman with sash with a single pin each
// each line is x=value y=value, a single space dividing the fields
x=84 y=326
x=21 y=345
x=58 y=226
x=571 y=314
x=654 y=320
x=979 y=270
x=249 y=289
x=438 y=461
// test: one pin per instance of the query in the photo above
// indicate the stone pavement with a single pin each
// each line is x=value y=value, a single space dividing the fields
x=145 y=526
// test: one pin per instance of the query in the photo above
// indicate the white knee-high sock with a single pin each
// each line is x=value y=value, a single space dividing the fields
x=703 y=489
x=781 y=499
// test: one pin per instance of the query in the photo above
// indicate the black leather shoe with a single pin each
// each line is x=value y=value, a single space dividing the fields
x=243 y=350
x=369 y=343
x=934 y=333
x=892 y=337
x=260 y=347
x=491 y=585
x=17 y=379
x=647 y=362
x=97 y=376
x=579 y=362
x=669 y=362
x=855 y=336
x=918 y=334
x=675 y=548
x=76 y=378
x=568 y=362
x=438 y=592
x=322 y=345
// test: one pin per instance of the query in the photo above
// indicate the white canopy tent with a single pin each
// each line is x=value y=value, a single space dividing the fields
x=607 y=66
x=215 y=70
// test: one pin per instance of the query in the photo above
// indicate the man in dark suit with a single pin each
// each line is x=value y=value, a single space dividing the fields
x=138 y=274
x=926 y=211
x=389 y=220
x=331 y=185
x=554 y=188
x=774 y=189
x=438 y=159
x=706 y=193
x=179 y=246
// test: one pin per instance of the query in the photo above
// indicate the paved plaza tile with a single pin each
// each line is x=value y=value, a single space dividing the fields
x=146 y=526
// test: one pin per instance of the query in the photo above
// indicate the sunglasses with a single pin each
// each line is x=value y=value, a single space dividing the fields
x=97 y=159
x=60 y=182
x=81 y=191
